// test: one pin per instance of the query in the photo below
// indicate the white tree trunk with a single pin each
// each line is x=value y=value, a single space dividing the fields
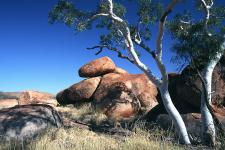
x=208 y=127
x=162 y=84
x=174 y=114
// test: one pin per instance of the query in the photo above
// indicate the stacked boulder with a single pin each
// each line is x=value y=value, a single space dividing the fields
x=111 y=90
x=122 y=95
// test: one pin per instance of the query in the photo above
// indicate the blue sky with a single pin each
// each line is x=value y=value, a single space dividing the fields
x=36 y=55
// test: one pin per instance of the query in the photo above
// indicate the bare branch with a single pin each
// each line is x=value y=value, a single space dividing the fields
x=207 y=14
x=137 y=37
x=185 y=22
x=110 y=7
x=119 y=53
x=130 y=45
x=146 y=48
x=161 y=28
x=158 y=57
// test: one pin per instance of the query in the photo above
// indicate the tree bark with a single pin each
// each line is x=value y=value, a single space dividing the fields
x=174 y=114
x=208 y=127
x=162 y=84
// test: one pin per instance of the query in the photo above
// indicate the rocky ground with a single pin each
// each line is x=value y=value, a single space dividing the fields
x=110 y=109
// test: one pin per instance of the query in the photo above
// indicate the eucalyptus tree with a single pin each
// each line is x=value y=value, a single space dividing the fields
x=201 y=43
x=123 y=35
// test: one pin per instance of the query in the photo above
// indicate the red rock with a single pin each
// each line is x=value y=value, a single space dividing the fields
x=120 y=71
x=97 y=67
x=119 y=103
x=7 y=103
x=79 y=92
x=35 y=97
x=139 y=84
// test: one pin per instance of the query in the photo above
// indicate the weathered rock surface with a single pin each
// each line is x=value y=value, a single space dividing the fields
x=116 y=93
x=79 y=92
x=185 y=89
x=7 y=103
x=119 y=103
x=139 y=84
x=191 y=120
x=120 y=71
x=10 y=95
x=35 y=97
x=27 y=121
x=10 y=99
x=97 y=67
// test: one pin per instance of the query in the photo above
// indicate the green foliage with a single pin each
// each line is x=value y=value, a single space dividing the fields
x=192 y=42
x=66 y=12
x=148 y=13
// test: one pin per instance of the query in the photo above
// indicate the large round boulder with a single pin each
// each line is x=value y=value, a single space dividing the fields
x=97 y=67
x=27 y=121
x=79 y=92
x=139 y=84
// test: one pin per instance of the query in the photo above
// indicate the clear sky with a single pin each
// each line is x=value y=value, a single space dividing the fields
x=36 y=55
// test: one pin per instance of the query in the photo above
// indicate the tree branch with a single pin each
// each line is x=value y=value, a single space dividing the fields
x=146 y=48
x=119 y=53
x=158 y=57
x=207 y=14
x=161 y=29
x=130 y=45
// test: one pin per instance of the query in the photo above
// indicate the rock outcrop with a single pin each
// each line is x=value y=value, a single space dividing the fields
x=7 y=103
x=185 y=91
x=185 y=88
x=139 y=84
x=119 y=103
x=27 y=121
x=97 y=67
x=35 y=97
x=191 y=120
x=10 y=99
x=103 y=75
x=112 y=90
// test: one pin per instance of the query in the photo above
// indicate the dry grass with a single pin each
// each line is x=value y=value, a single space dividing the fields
x=84 y=113
x=83 y=139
